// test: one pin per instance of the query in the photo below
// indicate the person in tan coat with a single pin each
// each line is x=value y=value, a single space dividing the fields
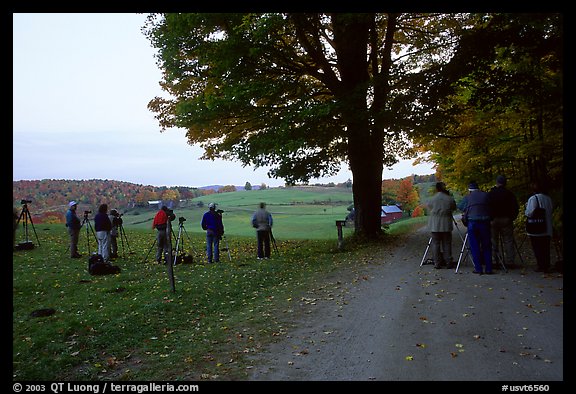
x=440 y=224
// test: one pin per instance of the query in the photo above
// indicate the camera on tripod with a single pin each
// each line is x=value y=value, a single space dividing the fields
x=170 y=214
x=117 y=217
x=25 y=201
x=181 y=219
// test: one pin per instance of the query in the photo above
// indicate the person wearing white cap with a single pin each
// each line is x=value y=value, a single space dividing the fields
x=73 y=225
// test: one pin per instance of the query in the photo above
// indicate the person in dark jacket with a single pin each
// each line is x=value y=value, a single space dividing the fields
x=102 y=226
x=262 y=222
x=505 y=210
x=212 y=224
x=476 y=208
x=541 y=242
x=73 y=225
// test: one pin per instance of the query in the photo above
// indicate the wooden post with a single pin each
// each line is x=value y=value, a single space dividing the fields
x=169 y=257
x=339 y=225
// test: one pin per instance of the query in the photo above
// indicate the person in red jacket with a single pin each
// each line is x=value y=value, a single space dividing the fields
x=160 y=223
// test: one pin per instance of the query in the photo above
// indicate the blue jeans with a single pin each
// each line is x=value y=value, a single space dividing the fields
x=212 y=247
x=480 y=244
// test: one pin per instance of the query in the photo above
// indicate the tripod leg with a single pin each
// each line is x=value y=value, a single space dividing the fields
x=149 y=250
x=177 y=245
x=88 y=239
x=501 y=253
x=123 y=237
x=228 y=249
x=518 y=251
x=426 y=252
x=462 y=252
x=190 y=243
x=33 y=228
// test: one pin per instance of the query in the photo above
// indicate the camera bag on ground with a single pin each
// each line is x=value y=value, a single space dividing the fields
x=97 y=266
x=184 y=258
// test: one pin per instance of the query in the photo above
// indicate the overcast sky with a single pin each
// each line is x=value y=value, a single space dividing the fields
x=81 y=85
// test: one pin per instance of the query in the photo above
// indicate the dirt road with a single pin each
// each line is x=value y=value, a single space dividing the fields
x=399 y=321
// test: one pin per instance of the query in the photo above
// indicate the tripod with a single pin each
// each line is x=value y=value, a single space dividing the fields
x=273 y=241
x=27 y=217
x=464 y=245
x=499 y=250
x=88 y=229
x=226 y=248
x=122 y=235
x=431 y=261
x=180 y=246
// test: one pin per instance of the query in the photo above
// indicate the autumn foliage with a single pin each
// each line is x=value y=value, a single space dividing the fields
x=50 y=197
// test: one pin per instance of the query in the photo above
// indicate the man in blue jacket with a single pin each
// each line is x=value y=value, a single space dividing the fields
x=73 y=225
x=478 y=212
x=212 y=224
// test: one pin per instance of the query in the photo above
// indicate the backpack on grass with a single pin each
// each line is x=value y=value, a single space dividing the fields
x=97 y=266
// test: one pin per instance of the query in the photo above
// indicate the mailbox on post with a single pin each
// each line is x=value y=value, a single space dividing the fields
x=339 y=225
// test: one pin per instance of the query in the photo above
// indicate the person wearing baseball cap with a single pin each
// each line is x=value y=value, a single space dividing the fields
x=73 y=225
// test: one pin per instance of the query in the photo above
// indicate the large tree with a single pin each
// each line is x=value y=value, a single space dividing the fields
x=299 y=93
x=501 y=110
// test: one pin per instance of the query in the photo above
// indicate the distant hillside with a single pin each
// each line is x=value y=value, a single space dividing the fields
x=50 y=197
x=215 y=188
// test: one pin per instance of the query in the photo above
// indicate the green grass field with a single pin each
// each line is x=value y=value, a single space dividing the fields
x=131 y=326
x=297 y=214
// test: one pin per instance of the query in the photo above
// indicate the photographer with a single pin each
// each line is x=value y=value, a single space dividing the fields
x=116 y=220
x=262 y=221
x=73 y=225
x=505 y=210
x=160 y=223
x=440 y=210
x=212 y=224
x=103 y=225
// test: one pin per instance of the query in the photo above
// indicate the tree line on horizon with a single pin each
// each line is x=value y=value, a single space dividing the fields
x=50 y=196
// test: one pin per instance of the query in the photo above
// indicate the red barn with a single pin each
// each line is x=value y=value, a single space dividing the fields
x=390 y=213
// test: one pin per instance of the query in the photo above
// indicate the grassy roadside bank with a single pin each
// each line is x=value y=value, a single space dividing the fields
x=131 y=326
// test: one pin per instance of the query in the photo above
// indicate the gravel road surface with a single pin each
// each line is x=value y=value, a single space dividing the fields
x=394 y=320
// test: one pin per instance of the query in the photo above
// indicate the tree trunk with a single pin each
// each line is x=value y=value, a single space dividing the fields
x=367 y=191
x=365 y=140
